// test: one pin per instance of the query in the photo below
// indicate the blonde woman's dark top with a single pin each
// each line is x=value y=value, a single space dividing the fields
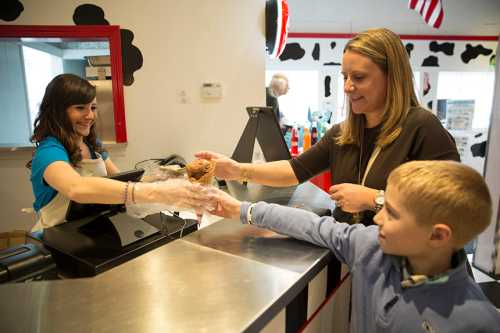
x=422 y=138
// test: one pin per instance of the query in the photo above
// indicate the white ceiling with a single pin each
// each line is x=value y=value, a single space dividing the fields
x=462 y=17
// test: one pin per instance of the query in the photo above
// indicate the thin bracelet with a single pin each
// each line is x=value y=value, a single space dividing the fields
x=125 y=194
x=133 y=193
x=245 y=173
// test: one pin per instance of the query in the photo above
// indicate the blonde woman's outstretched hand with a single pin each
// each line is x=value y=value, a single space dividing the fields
x=225 y=168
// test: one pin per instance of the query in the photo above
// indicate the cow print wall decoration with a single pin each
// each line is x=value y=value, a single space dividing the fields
x=446 y=48
x=292 y=51
x=332 y=45
x=430 y=61
x=10 y=10
x=409 y=47
x=132 y=60
x=89 y=15
x=315 y=52
x=132 y=56
x=328 y=81
x=472 y=52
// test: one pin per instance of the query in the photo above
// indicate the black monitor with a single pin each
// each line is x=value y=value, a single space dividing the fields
x=77 y=211
x=263 y=125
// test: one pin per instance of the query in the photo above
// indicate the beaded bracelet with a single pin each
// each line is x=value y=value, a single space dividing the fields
x=125 y=194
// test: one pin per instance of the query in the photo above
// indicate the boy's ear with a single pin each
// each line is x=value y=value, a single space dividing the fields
x=441 y=233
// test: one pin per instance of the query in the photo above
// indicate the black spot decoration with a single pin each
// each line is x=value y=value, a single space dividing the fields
x=429 y=105
x=409 y=47
x=478 y=149
x=331 y=63
x=132 y=57
x=472 y=52
x=292 y=51
x=132 y=60
x=332 y=45
x=315 y=52
x=89 y=15
x=430 y=61
x=478 y=135
x=446 y=48
x=328 y=81
x=10 y=10
x=493 y=60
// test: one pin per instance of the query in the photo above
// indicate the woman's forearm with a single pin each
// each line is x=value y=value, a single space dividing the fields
x=99 y=190
x=65 y=180
x=277 y=173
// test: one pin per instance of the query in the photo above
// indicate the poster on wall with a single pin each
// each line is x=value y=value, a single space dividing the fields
x=462 y=142
x=459 y=114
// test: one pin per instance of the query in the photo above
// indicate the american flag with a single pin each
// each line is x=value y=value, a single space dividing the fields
x=431 y=11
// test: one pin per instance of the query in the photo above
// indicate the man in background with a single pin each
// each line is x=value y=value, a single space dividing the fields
x=277 y=87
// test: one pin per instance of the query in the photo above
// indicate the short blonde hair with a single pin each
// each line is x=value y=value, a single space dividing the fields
x=279 y=83
x=387 y=51
x=445 y=192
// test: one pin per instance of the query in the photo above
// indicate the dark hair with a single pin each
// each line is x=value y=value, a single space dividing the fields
x=62 y=92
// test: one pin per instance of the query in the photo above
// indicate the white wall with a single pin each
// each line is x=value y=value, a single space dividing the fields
x=183 y=43
x=462 y=17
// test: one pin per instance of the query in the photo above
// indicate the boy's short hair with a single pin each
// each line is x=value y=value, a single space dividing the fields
x=445 y=192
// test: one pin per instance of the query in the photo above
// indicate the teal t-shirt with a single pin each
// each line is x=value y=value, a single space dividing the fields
x=49 y=150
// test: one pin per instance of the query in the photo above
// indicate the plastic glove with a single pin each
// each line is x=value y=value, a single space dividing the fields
x=182 y=194
x=173 y=195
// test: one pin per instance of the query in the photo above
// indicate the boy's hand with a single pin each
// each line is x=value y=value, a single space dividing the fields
x=227 y=206
x=353 y=198
x=225 y=168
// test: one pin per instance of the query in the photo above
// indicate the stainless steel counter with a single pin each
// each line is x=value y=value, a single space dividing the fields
x=226 y=277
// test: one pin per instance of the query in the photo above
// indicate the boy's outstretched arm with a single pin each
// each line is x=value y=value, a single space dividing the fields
x=341 y=238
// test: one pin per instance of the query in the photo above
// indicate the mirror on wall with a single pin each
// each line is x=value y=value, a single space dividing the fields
x=30 y=56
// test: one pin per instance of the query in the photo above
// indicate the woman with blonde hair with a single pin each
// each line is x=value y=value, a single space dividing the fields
x=385 y=127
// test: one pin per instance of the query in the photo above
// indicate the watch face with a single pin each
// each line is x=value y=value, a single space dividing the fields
x=379 y=199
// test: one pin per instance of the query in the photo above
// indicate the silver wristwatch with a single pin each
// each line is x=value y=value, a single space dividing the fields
x=379 y=200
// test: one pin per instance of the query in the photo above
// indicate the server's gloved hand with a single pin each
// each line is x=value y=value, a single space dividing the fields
x=174 y=194
x=183 y=194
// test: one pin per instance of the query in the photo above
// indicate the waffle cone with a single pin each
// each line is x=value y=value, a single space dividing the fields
x=201 y=171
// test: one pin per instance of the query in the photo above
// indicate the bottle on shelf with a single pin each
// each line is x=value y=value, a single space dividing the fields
x=288 y=138
x=314 y=134
x=294 y=149
x=301 y=136
x=307 y=139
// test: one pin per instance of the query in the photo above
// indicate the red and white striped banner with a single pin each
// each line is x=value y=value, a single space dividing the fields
x=431 y=11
